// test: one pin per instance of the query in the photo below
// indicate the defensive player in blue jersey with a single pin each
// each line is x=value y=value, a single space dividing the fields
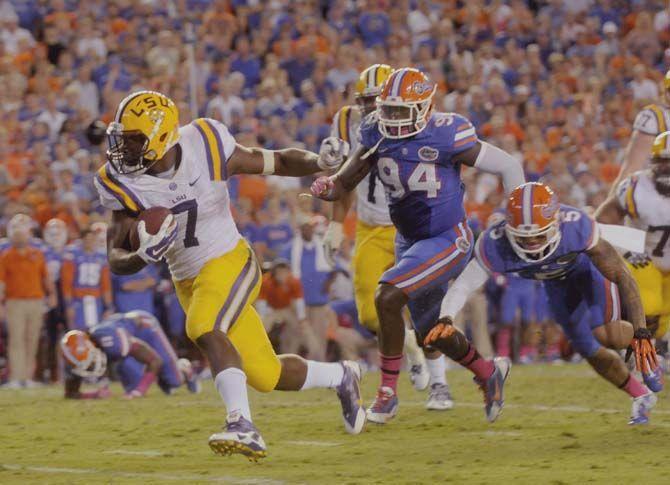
x=137 y=344
x=417 y=154
x=589 y=285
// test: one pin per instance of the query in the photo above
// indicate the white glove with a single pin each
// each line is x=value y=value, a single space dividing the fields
x=332 y=240
x=154 y=246
x=332 y=153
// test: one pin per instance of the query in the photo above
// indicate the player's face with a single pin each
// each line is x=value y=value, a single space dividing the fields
x=126 y=150
x=661 y=171
x=532 y=243
x=397 y=112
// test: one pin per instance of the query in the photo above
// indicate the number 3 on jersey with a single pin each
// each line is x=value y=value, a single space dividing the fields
x=422 y=179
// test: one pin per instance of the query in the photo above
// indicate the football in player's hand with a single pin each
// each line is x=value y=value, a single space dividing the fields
x=153 y=219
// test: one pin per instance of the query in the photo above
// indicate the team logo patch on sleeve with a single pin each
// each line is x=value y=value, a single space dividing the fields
x=428 y=154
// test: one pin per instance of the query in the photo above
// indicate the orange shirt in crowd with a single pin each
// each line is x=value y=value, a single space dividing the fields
x=254 y=188
x=23 y=271
x=280 y=296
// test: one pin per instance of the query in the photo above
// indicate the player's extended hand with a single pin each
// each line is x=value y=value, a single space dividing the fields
x=645 y=354
x=332 y=240
x=332 y=152
x=322 y=188
x=154 y=246
x=637 y=260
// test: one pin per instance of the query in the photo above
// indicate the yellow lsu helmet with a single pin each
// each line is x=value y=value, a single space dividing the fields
x=145 y=127
x=369 y=85
x=660 y=163
x=661 y=146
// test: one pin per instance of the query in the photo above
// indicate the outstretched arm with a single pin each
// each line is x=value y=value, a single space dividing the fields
x=492 y=159
x=636 y=154
x=347 y=177
x=610 y=211
x=612 y=266
x=470 y=280
x=292 y=162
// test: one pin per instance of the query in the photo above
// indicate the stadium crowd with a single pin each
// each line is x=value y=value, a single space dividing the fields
x=556 y=83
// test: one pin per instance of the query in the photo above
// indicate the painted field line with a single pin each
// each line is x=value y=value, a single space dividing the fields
x=313 y=443
x=145 y=475
x=493 y=433
x=134 y=452
x=531 y=407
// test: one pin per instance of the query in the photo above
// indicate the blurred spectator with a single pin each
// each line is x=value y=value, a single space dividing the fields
x=136 y=291
x=643 y=88
x=24 y=285
x=86 y=283
x=308 y=262
x=281 y=302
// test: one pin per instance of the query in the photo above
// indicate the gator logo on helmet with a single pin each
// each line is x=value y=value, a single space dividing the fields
x=549 y=209
x=421 y=87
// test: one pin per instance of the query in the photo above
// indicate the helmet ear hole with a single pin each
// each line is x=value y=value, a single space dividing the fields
x=163 y=136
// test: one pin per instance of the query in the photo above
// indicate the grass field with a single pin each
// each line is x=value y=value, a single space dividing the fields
x=561 y=425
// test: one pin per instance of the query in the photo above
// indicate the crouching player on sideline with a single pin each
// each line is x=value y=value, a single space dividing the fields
x=588 y=283
x=137 y=344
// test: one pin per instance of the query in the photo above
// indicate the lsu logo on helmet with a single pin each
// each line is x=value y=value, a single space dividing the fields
x=145 y=127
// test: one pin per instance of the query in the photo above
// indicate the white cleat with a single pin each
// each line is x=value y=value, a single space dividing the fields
x=439 y=398
x=642 y=406
x=349 y=393
x=190 y=376
x=419 y=376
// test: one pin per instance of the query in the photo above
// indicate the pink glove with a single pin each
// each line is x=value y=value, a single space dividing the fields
x=322 y=187
x=142 y=387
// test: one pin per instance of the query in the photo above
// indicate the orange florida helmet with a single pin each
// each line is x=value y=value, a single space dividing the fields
x=80 y=352
x=404 y=105
x=533 y=226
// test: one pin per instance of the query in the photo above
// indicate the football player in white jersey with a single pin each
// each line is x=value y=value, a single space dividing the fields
x=644 y=199
x=649 y=123
x=374 y=252
x=153 y=162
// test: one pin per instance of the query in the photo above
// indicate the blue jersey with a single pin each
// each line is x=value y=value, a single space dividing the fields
x=578 y=234
x=422 y=180
x=113 y=335
x=54 y=261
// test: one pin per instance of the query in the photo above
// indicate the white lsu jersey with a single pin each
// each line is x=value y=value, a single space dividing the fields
x=653 y=119
x=197 y=195
x=649 y=211
x=371 y=204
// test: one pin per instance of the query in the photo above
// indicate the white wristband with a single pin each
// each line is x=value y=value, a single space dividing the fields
x=268 y=162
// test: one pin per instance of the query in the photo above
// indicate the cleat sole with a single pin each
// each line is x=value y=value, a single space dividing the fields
x=230 y=447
